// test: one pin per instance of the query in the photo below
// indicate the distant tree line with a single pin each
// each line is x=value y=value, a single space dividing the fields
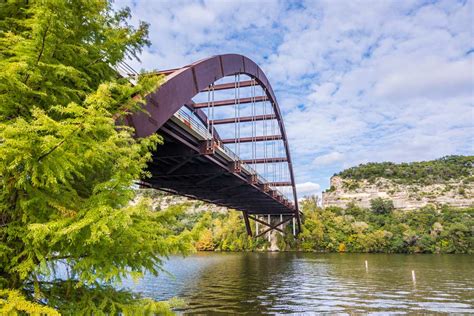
x=423 y=172
x=352 y=229
x=383 y=229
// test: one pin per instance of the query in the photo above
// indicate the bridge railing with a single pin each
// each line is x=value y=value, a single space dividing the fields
x=195 y=125
x=189 y=121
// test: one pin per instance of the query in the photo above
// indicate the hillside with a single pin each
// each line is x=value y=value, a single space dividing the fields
x=445 y=181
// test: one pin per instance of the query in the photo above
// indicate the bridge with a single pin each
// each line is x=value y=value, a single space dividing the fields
x=224 y=140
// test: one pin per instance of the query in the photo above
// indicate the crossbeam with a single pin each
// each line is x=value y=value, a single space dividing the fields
x=251 y=139
x=230 y=102
x=244 y=119
x=265 y=223
x=179 y=165
x=280 y=184
x=265 y=160
x=232 y=85
x=273 y=227
x=247 y=223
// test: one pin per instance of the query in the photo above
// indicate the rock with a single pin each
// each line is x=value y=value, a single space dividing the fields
x=405 y=197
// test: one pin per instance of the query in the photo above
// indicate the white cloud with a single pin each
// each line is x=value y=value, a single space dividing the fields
x=381 y=80
x=307 y=189
x=328 y=159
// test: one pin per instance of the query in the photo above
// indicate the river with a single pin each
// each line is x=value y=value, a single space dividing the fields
x=287 y=283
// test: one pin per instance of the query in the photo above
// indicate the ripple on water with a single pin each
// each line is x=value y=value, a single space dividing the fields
x=287 y=283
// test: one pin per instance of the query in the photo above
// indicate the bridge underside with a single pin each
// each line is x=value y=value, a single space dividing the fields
x=195 y=161
x=179 y=166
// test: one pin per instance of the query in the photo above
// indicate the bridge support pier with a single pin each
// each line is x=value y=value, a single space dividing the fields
x=247 y=224
x=269 y=234
x=294 y=227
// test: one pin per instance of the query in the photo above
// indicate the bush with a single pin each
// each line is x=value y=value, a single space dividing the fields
x=381 y=206
x=423 y=172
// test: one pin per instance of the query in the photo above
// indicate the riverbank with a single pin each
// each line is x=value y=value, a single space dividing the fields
x=350 y=229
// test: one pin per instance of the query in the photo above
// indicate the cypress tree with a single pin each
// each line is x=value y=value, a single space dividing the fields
x=68 y=231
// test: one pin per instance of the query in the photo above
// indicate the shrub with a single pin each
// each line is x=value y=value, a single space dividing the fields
x=381 y=206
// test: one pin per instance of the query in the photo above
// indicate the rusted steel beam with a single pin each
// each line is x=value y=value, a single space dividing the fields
x=275 y=227
x=231 y=85
x=251 y=139
x=247 y=224
x=265 y=223
x=179 y=165
x=231 y=102
x=165 y=72
x=265 y=160
x=280 y=184
x=244 y=119
x=209 y=178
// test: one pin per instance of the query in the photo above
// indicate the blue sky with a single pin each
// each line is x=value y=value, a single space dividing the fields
x=357 y=81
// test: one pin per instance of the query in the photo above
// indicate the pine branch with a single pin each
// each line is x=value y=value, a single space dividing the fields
x=58 y=144
x=51 y=150
x=43 y=42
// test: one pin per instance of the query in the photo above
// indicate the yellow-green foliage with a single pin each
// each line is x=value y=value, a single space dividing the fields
x=13 y=303
x=67 y=168
x=354 y=229
x=223 y=232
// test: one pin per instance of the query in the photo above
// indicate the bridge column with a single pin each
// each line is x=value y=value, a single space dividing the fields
x=256 y=226
x=294 y=227
x=270 y=231
x=247 y=224
x=281 y=220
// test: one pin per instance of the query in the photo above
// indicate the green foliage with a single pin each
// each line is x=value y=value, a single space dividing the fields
x=424 y=172
x=12 y=302
x=354 y=229
x=223 y=232
x=381 y=206
x=331 y=189
x=67 y=169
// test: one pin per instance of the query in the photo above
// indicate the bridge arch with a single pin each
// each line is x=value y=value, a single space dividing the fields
x=181 y=85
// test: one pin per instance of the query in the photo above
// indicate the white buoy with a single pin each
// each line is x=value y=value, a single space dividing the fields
x=413 y=276
x=366 y=266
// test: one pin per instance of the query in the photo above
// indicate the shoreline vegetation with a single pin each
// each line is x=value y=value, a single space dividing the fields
x=380 y=229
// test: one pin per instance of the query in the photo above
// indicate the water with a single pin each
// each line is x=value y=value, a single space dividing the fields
x=296 y=283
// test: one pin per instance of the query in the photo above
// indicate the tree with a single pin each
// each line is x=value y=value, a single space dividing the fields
x=381 y=206
x=67 y=169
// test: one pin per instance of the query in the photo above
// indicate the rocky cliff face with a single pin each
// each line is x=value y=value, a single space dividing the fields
x=162 y=200
x=457 y=193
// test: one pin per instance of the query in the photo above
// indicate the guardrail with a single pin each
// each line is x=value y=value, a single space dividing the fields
x=196 y=126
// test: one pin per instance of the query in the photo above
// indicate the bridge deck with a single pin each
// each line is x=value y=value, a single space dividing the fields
x=179 y=166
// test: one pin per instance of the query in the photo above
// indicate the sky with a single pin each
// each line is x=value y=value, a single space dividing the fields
x=356 y=81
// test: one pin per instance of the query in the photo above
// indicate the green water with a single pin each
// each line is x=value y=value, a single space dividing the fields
x=295 y=283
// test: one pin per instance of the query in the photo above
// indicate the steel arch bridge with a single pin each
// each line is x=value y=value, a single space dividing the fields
x=224 y=139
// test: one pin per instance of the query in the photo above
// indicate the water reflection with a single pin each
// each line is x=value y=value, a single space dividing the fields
x=305 y=282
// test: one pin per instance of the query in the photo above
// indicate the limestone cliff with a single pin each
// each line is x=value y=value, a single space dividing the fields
x=457 y=193
x=162 y=200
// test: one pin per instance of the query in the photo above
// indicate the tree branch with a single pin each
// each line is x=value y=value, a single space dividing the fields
x=57 y=145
